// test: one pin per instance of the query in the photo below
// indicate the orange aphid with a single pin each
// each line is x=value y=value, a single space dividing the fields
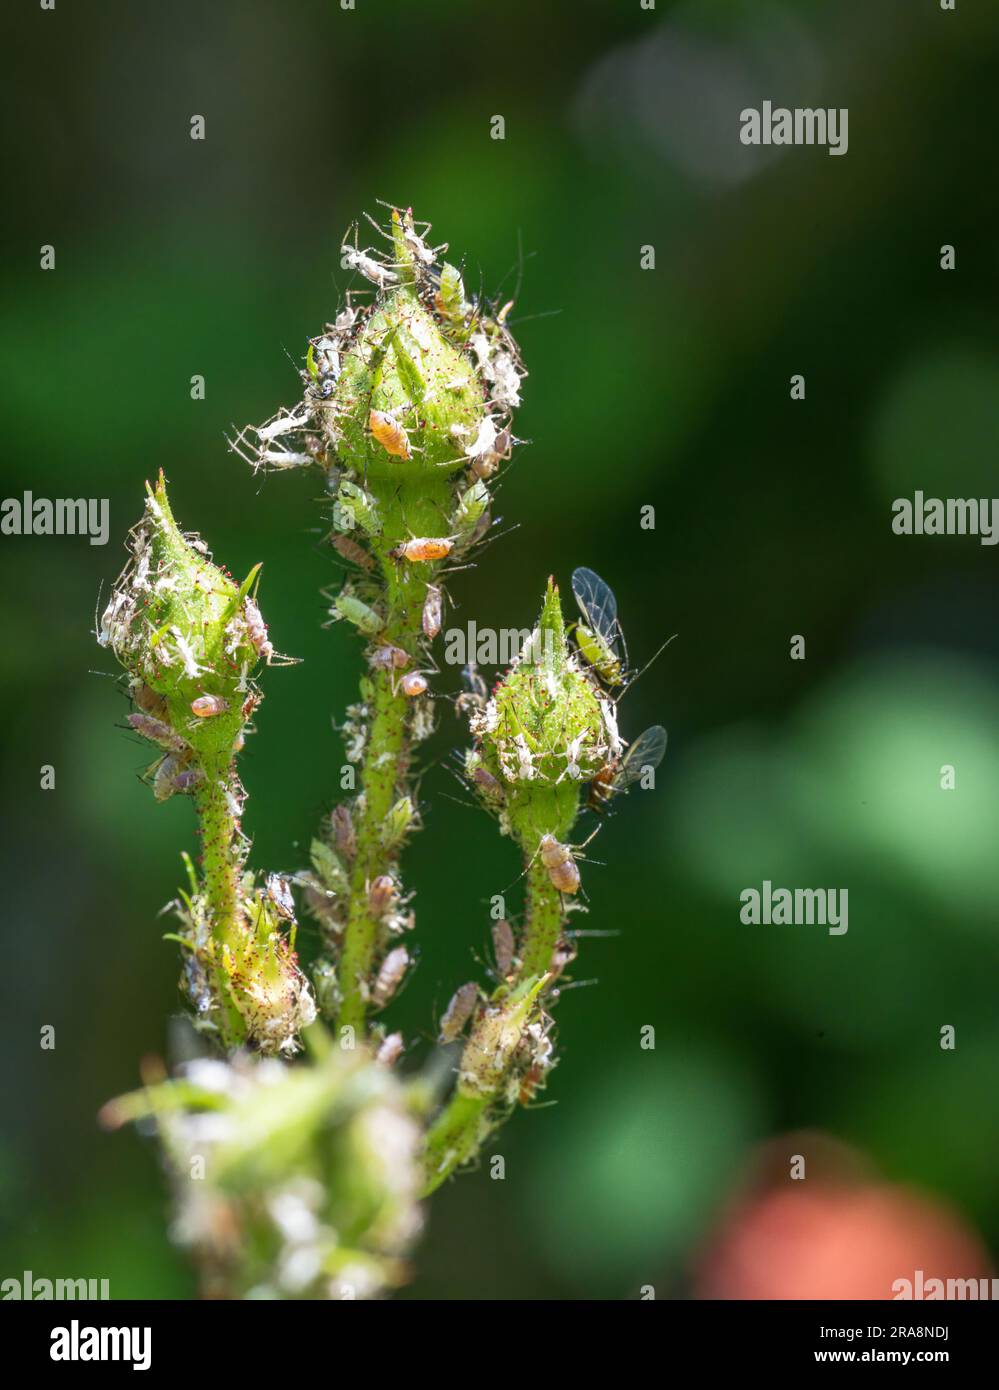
x=208 y=706
x=390 y=436
x=413 y=684
x=422 y=548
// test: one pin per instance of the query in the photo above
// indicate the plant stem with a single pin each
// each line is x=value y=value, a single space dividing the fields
x=220 y=837
x=380 y=776
x=453 y=1138
x=543 y=924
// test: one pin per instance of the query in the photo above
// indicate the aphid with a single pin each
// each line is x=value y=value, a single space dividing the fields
x=342 y=826
x=397 y=823
x=618 y=773
x=149 y=701
x=573 y=749
x=354 y=506
x=506 y=381
x=413 y=684
x=282 y=424
x=485 y=465
x=209 y=706
x=372 y=270
x=172 y=776
x=279 y=892
x=472 y=506
x=351 y=551
x=422 y=548
x=503 y=946
x=393 y=967
x=382 y=894
x=115 y=619
x=531 y=1081
x=487 y=784
x=433 y=608
x=564 y=954
x=390 y=435
x=599 y=637
x=250 y=704
x=356 y=611
x=388 y=658
x=390 y=1050
x=484 y=440
x=257 y=629
x=557 y=859
x=158 y=732
x=458 y=1012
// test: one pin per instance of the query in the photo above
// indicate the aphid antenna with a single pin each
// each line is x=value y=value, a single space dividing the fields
x=594 y=932
x=529 y=318
x=655 y=657
x=577 y=984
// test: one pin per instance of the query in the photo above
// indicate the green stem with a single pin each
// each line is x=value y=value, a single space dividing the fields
x=453 y=1138
x=380 y=776
x=457 y=1132
x=543 y=925
x=220 y=864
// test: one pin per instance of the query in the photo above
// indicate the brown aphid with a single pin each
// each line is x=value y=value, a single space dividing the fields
x=172 y=776
x=458 y=1012
x=208 y=706
x=389 y=977
x=564 y=954
x=557 y=859
x=352 y=551
x=433 y=610
x=149 y=701
x=413 y=684
x=388 y=658
x=422 y=548
x=503 y=946
x=487 y=784
x=532 y=1080
x=158 y=732
x=342 y=826
x=382 y=894
x=391 y=436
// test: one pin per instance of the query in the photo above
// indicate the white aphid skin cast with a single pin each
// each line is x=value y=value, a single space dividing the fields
x=371 y=269
x=389 y=976
x=485 y=439
x=458 y=1012
x=278 y=890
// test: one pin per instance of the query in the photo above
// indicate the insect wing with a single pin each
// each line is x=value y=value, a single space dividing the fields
x=646 y=751
x=597 y=604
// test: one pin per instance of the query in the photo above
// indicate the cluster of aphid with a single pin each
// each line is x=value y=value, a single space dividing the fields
x=189 y=639
x=548 y=729
x=406 y=409
x=407 y=401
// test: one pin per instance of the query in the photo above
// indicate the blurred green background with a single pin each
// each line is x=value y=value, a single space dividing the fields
x=665 y=387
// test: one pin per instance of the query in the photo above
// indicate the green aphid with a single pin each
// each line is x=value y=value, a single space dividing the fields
x=599 y=637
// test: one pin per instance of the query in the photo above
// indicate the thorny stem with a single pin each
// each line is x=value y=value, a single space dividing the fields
x=544 y=921
x=453 y=1138
x=410 y=511
x=220 y=834
x=457 y=1132
x=380 y=776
